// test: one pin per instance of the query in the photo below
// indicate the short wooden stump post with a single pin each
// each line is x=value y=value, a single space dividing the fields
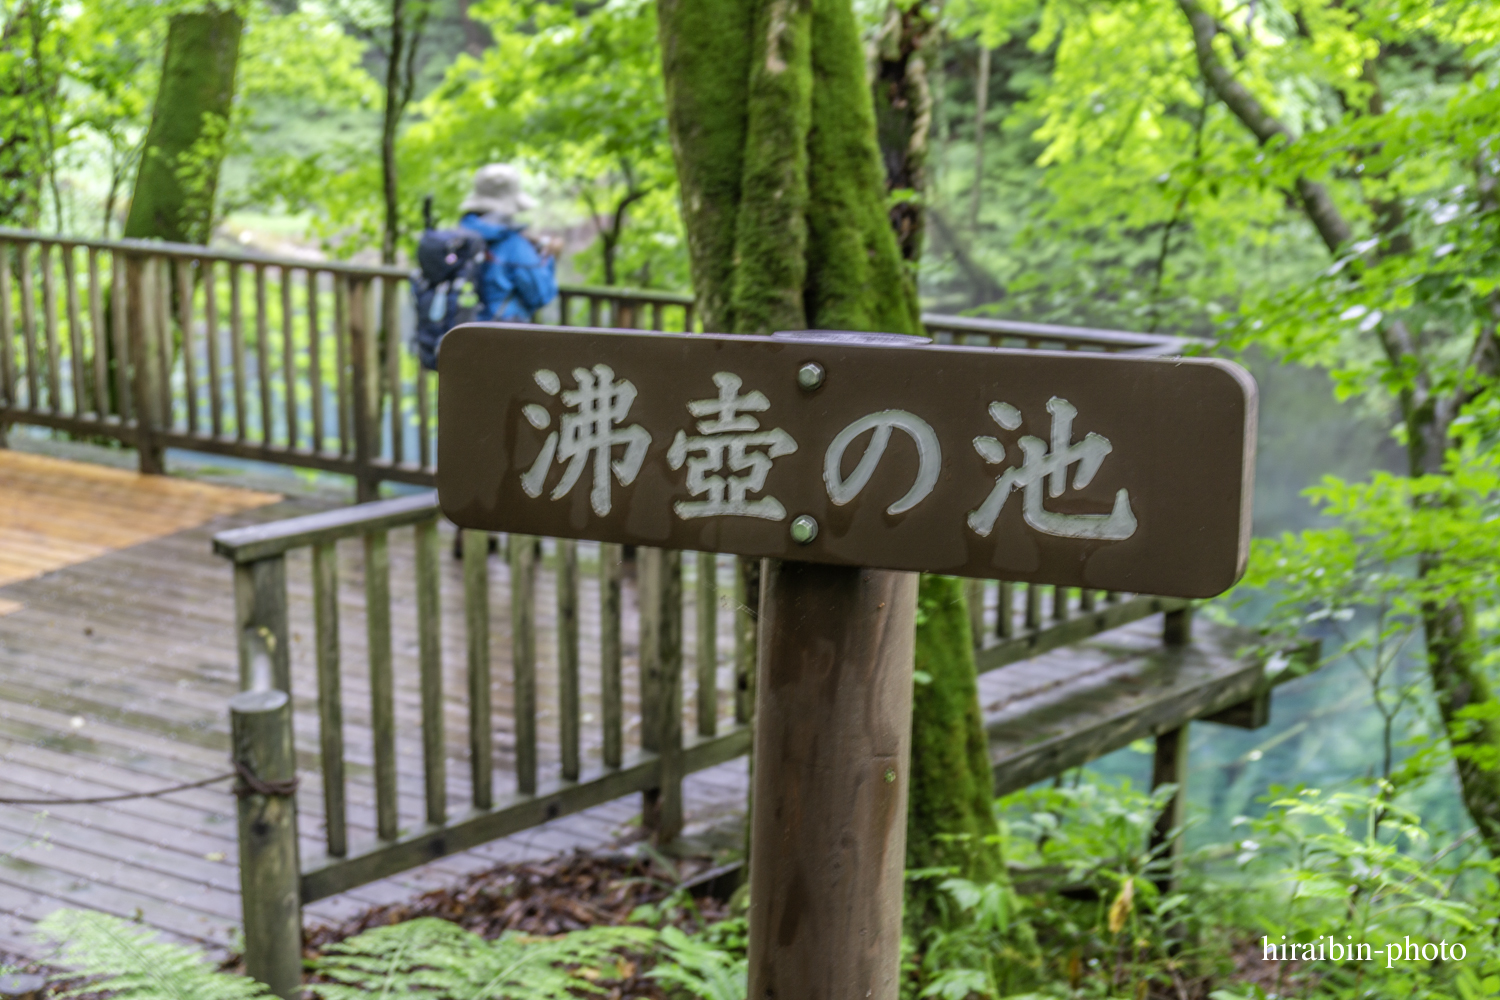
x=832 y=760
x=270 y=875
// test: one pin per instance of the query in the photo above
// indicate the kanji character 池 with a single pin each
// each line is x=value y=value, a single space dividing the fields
x=729 y=436
x=1040 y=464
x=600 y=405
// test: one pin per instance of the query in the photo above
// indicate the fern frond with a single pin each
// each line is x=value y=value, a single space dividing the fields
x=125 y=961
x=703 y=970
x=433 y=958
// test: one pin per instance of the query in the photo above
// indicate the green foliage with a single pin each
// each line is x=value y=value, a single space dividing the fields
x=434 y=958
x=125 y=961
x=710 y=966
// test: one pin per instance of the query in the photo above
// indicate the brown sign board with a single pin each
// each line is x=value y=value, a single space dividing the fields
x=1077 y=469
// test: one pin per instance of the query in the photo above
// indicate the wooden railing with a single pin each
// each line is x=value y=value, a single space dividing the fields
x=1010 y=621
x=295 y=361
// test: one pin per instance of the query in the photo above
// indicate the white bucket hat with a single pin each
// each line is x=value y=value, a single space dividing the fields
x=497 y=189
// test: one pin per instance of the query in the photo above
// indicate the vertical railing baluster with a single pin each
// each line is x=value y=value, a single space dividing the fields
x=660 y=573
x=76 y=353
x=211 y=347
x=28 y=330
x=237 y=350
x=612 y=690
x=1033 y=606
x=325 y=561
x=185 y=292
x=974 y=597
x=746 y=615
x=430 y=662
x=263 y=355
x=1005 y=619
x=564 y=308
x=289 y=357
x=393 y=354
x=424 y=419
x=165 y=343
x=382 y=696
x=7 y=331
x=1087 y=598
x=1060 y=601
x=49 y=326
x=119 y=305
x=708 y=640
x=364 y=381
x=98 y=337
x=687 y=319
x=343 y=394
x=656 y=317
x=523 y=658
x=314 y=362
x=593 y=310
x=568 y=701
x=476 y=546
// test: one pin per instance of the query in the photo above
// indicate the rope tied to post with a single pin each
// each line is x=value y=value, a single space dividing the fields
x=251 y=783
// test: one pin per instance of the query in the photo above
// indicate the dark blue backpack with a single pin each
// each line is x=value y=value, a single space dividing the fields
x=445 y=286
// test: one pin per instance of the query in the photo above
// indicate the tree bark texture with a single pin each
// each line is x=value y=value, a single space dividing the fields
x=952 y=788
x=831 y=754
x=179 y=169
x=1452 y=646
x=783 y=189
x=903 y=115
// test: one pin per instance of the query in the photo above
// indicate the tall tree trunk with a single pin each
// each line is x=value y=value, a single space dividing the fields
x=408 y=22
x=950 y=814
x=903 y=52
x=179 y=169
x=784 y=200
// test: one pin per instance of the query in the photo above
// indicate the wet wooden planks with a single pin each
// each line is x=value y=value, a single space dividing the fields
x=114 y=676
x=54 y=512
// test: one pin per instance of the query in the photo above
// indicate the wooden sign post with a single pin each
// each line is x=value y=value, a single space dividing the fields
x=849 y=462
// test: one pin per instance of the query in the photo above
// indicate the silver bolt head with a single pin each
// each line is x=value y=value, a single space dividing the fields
x=804 y=529
x=810 y=375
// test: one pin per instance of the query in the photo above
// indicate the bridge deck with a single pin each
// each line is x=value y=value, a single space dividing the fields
x=117 y=661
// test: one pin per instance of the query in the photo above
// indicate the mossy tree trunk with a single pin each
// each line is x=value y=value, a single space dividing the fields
x=784 y=201
x=179 y=170
x=907 y=40
x=950 y=818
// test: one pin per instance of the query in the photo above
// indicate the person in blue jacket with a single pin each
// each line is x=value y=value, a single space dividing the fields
x=518 y=279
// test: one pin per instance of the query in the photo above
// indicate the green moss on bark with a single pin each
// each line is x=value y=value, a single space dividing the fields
x=952 y=789
x=705 y=48
x=179 y=172
x=770 y=248
x=855 y=278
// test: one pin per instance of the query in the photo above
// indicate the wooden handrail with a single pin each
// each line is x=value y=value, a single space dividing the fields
x=261 y=541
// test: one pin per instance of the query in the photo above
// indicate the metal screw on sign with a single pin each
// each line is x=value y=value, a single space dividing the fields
x=804 y=529
x=810 y=376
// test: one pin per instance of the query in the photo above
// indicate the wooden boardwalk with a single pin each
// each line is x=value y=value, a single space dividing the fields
x=116 y=669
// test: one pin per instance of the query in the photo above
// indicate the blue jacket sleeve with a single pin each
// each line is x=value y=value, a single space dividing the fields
x=531 y=277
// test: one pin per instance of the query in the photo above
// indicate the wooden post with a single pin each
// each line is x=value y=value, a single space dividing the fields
x=139 y=297
x=260 y=614
x=832 y=755
x=270 y=880
x=365 y=378
x=1177 y=627
x=974 y=594
x=1170 y=766
x=611 y=690
x=660 y=575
